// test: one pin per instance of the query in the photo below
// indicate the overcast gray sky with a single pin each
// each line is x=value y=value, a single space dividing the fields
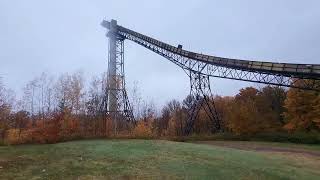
x=65 y=36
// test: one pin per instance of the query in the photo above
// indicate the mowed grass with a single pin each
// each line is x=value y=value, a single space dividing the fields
x=150 y=159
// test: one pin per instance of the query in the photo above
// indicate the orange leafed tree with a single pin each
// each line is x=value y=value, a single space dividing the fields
x=253 y=111
x=302 y=110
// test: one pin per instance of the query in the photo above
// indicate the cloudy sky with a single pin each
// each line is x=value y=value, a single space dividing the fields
x=60 y=36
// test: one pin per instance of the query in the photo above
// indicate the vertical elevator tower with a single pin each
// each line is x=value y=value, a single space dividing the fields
x=116 y=102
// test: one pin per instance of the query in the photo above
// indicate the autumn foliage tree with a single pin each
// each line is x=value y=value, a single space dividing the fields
x=143 y=129
x=5 y=110
x=302 y=110
x=254 y=111
x=59 y=109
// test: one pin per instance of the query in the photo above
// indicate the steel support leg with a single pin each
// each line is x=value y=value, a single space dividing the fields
x=201 y=96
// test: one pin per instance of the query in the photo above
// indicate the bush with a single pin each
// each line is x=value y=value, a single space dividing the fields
x=142 y=130
x=299 y=138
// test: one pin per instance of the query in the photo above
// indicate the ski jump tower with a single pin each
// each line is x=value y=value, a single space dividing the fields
x=116 y=103
x=199 y=67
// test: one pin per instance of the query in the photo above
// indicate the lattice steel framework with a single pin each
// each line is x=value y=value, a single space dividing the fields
x=213 y=70
x=117 y=102
x=200 y=67
x=200 y=93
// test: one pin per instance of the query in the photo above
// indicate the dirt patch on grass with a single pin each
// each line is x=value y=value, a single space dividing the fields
x=253 y=146
x=6 y=163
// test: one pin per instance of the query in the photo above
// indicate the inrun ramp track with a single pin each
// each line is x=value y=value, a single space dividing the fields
x=282 y=74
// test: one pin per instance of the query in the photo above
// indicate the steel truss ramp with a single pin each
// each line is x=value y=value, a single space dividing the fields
x=200 y=67
x=213 y=70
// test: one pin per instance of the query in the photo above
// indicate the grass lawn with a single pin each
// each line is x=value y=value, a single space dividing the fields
x=152 y=159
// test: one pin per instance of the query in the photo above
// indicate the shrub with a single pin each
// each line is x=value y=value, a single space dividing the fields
x=299 y=138
x=142 y=130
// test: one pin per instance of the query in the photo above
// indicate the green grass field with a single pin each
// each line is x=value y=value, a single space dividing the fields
x=156 y=159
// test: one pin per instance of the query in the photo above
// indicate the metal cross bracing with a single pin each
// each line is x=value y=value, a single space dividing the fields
x=201 y=96
x=116 y=103
x=199 y=79
x=200 y=67
x=226 y=72
x=300 y=71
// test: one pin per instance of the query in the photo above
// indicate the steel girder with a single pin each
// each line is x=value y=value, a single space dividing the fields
x=200 y=85
x=199 y=72
x=118 y=91
x=225 y=72
x=201 y=96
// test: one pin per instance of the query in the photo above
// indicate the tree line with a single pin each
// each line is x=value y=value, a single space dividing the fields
x=64 y=108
